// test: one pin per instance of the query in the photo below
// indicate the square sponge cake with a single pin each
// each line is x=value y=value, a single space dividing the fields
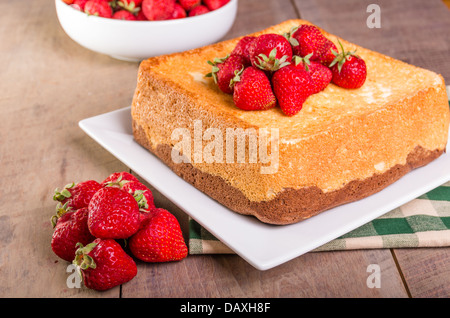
x=344 y=145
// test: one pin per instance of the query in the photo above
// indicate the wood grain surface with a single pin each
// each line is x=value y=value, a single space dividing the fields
x=49 y=83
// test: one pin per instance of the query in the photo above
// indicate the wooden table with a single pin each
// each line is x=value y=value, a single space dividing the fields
x=49 y=83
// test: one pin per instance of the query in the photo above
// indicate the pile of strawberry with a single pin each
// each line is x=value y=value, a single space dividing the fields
x=151 y=10
x=272 y=69
x=102 y=227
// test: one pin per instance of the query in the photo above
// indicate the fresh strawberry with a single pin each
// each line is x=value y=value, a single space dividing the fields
x=307 y=39
x=198 y=10
x=118 y=178
x=158 y=9
x=292 y=86
x=98 y=8
x=68 y=1
x=129 y=183
x=243 y=48
x=78 y=195
x=76 y=7
x=124 y=15
x=349 y=70
x=104 y=264
x=142 y=194
x=252 y=90
x=70 y=227
x=140 y=16
x=179 y=12
x=224 y=70
x=79 y=4
x=330 y=52
x=320 y=74
x=270 y=52
x=159 y=240
x=132 y=6
x=189 y=4
x=113 y=213
x=215 y=4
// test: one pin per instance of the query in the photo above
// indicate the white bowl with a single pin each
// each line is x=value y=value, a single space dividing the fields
x=138 y=40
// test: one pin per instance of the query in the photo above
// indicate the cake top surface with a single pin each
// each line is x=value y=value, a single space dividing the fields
x=388 y=81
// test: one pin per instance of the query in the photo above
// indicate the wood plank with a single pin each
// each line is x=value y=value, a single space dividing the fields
x=49 y=83
x=426 y=271
x=408 y=32
x=324 y=274
x=415 y=32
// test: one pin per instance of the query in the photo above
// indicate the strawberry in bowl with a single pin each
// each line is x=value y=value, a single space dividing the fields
x=133 y=30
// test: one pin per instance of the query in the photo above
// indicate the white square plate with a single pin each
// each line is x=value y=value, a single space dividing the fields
x=263 y=246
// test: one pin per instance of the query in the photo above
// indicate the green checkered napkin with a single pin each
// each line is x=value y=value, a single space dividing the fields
x=422 y=222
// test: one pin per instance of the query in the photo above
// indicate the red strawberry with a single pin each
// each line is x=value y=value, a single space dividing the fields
x=243 y=48
x=98 y=8
x=70 y=227
x=78 y=195
x=349 y=70
x=68 y=1
x=320 y=74
x=113 y=213
x=159 y=240
x=124 y=15
x=224 y=70
x=129 y=4
x=80 y=3
x=307 y=39
x=189 y=4
x=158 y=9
x=132 y=6
x=330 y=51
x=292 y=87
x=140 y=16
x=198 y=10
x=270 y=52
x=179 y=12
x=142 y=194
x=118 y=178
x=215 y=4
x=252 y=90
x=104 y=264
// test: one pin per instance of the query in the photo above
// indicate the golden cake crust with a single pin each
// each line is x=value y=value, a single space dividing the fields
x=398 y=120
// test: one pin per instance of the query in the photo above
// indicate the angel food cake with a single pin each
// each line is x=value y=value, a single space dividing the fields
x=284 y=159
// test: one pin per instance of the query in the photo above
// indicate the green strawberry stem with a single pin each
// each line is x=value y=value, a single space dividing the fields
x=288 y=36
x=131 y=6
x=63 y=194
x=82 y=260
x=60 y=211
x=342 y=57
x=305 y=60
x=117 y=183
x=215 y=68
x=271 y=63
x=237 y=77
x=141 y=200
